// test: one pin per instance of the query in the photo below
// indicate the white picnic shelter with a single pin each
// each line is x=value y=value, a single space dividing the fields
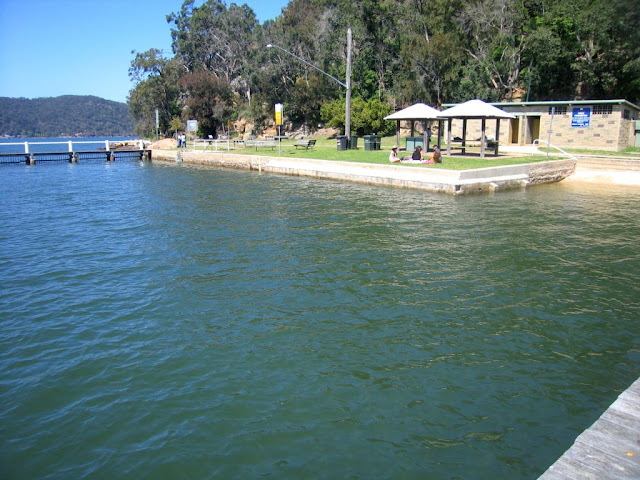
x=474 y=109
x=417 y=112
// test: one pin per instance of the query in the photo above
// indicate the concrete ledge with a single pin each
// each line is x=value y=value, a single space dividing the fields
x=454 y=182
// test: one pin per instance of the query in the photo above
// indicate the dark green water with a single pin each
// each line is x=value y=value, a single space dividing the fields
x=169 y=322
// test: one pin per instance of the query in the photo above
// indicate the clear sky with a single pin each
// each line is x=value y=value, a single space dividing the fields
x=83 y=47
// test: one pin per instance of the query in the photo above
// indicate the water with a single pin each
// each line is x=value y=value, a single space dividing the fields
x=169 y=322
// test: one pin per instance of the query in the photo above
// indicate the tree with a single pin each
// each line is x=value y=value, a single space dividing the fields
x=216 y=40
x=366 y=116
x=175 y=125
x=157 y=88
x=495 y=31
x=208 y=100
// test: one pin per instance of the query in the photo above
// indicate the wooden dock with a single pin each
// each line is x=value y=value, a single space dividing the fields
x=609 y=449
x=72 y=151
x=73 y=157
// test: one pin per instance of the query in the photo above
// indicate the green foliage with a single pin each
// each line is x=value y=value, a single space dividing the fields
x=208 y=99
x=157 y=88
x=404 y=51
x=67 y=115
x=366 y=116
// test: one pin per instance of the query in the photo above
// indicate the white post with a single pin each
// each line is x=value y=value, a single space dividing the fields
x=26 y=147
x=70 y=146
x=106 y=145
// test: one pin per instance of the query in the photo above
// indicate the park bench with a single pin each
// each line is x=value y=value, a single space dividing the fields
x=260 y=143
x=307 y=144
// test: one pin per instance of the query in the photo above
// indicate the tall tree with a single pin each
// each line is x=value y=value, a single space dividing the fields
x=496 y=34
x=216 y=40
x=156 y=88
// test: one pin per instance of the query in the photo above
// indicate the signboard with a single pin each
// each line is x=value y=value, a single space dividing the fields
x=192 y=125
x=581 y=117
x=278 y=114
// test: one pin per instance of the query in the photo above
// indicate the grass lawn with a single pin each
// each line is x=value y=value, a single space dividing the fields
x=326 y=149
x=627 y=152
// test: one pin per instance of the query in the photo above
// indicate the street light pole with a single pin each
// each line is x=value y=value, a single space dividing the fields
x=347 y=85
x=347 y=106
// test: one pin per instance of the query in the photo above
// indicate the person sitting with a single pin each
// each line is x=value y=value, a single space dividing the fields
x=435 y=156
x=417 y=154
x=393 y=155
x=416 y=157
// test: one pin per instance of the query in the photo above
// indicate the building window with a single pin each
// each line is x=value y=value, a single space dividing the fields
x=626 y=114
x=602 y=109
x=560 y=110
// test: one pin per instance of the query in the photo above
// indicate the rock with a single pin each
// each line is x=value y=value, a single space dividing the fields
x=164 y=144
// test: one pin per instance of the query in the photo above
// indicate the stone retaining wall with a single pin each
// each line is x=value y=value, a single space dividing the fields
x=454 y=182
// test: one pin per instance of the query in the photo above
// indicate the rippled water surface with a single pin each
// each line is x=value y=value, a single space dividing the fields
x=169 y=322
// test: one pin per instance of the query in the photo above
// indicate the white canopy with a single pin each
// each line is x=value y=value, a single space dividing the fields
x=419 y=111
x=475 y=109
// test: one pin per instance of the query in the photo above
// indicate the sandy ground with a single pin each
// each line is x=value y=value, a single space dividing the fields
x=609 y=177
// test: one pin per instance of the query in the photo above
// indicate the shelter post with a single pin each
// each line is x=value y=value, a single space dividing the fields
x=483 y=137
x=497 y=142
x=449 y=137
x=464 y=134
x=398 y=133
x=424 y=136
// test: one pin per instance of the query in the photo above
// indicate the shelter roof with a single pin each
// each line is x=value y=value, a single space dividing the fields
x=419 y=111
x=475 y=109
x=558 y=102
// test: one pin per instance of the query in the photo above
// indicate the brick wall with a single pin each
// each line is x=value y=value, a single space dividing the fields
x=606 y=131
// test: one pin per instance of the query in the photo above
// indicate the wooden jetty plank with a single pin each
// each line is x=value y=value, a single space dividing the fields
x=609 y=449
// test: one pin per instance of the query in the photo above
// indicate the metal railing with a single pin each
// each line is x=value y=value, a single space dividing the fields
x=69 y=145
x=216 y=144
x=551 y=145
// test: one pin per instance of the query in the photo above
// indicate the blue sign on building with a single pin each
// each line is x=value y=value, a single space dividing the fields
x=581 y=117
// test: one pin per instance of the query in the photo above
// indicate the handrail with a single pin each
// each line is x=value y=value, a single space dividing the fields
x=538 y=140
x=70 y=143
x=205 y=143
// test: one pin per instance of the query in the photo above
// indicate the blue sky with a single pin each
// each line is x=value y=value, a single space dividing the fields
x=83 y=47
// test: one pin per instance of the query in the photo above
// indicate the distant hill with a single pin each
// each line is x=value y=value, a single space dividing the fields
x=67 y=115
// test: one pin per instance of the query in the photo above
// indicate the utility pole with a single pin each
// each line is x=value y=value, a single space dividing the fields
x=347 y=113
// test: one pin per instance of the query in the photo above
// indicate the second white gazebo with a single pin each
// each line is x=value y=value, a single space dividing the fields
x=474 y=109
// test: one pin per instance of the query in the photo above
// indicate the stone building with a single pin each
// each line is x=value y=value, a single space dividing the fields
x=593 y=124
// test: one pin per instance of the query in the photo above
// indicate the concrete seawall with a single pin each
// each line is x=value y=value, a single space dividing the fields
x=454 y=182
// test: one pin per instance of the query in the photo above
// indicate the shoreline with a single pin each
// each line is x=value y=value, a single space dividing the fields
x=453 y=182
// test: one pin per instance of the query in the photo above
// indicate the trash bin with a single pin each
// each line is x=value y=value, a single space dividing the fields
x=413 y=142
x=342 y=142
x=353 y=145
x=368 y=142
x=377 y=141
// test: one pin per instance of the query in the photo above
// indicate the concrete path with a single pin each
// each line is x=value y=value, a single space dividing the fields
x=609 y=449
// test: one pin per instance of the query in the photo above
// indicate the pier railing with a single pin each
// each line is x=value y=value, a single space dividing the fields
x=71 y=151
x=70 y=144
